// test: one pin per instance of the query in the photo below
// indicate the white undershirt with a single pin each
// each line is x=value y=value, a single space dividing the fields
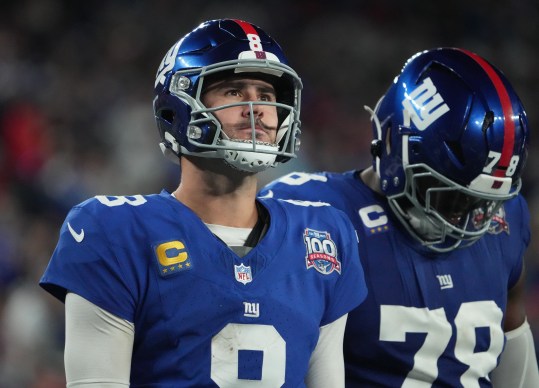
x=99 y=345
x=518 y=363
x=233 y=237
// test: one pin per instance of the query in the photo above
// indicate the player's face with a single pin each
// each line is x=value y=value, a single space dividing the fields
x=236 y=121
x=452 y=205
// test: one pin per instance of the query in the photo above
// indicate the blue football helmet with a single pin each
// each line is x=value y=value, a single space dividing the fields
x=215 y=50
x=451 y=138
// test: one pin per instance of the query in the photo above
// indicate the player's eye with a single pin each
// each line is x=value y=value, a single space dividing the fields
x=267 y=97
x=232 y=92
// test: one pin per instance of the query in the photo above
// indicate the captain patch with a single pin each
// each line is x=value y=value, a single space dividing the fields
x=172 y=257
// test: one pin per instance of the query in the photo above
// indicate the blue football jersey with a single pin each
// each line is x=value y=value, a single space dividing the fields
x=429 y=319
x=204 y=316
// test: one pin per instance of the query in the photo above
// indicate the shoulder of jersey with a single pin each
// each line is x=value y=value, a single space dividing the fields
x=299 y=184
x=516 y=206
x=296 y=205
x=299 y=209
x=513 y=218
x=117 y=205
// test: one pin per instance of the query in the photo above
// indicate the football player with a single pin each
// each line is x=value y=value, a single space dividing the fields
x=208 y=286
x=442 y=230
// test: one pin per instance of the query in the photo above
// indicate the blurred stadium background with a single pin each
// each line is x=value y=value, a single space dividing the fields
x=76 y=120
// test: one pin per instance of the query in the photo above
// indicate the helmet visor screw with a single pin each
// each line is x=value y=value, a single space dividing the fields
x=194 y=132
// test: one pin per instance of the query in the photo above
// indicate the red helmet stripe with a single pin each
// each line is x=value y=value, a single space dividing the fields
x=246 y=27
x=509 y=125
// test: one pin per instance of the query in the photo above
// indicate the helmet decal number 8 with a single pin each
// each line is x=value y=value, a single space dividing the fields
x=494 y=158
x=254 y=42
x=512 y=165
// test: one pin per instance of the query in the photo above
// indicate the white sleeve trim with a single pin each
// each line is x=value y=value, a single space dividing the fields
x=326 y=367
x=98 y=346
x=518 y=362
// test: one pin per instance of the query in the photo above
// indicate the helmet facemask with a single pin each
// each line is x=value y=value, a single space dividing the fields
x=440 y=213
x=205 y=132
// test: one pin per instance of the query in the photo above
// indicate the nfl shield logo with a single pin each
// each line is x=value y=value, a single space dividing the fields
x=243 y=273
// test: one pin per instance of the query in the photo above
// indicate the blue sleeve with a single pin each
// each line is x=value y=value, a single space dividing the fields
x=85 y=262
x=351 y=289
x=519 y=209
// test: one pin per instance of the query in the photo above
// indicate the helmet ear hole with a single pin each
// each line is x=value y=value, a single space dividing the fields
x=376 y=148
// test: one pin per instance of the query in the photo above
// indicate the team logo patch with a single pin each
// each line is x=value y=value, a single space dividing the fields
x=172 y=257
x=321 y=252
x=243 y=273
x=498 y=224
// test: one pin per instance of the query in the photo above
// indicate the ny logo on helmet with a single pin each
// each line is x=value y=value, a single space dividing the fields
x=423 y=106
x=167 y=64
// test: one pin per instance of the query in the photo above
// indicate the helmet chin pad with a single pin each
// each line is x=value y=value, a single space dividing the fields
x=244 y=155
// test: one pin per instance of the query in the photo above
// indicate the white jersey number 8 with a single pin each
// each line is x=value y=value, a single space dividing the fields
x=225 y=348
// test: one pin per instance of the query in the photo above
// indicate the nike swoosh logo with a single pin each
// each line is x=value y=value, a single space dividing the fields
x=77 y=236
x=269 y=194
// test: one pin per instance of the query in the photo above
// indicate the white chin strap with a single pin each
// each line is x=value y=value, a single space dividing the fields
x=243 y=155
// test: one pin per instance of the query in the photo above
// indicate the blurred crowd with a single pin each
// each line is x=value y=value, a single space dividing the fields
x=76 y=120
